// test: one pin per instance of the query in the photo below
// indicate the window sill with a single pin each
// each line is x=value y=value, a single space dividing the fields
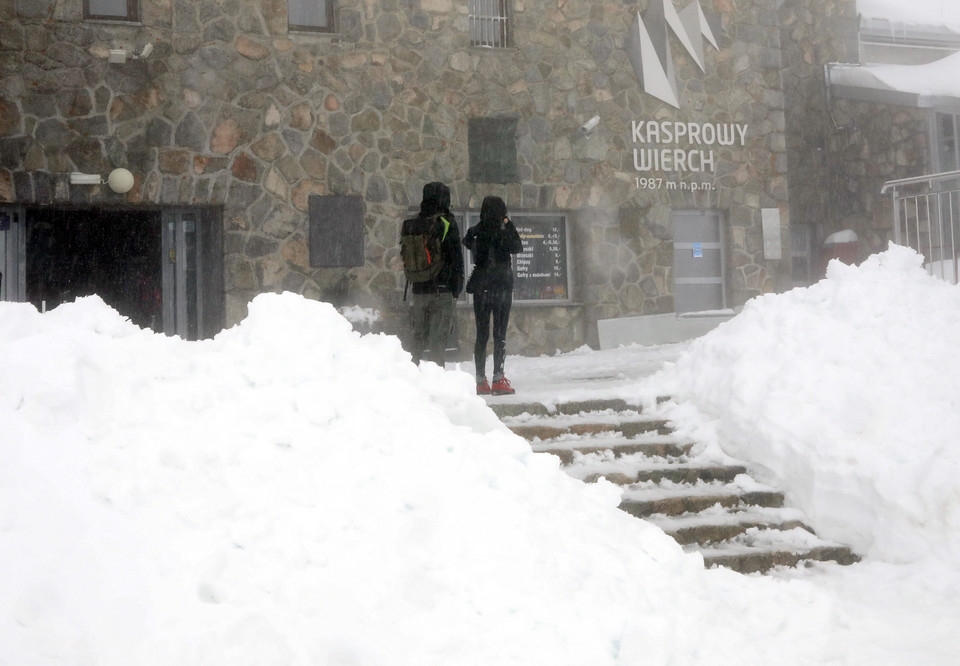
x=116 y=22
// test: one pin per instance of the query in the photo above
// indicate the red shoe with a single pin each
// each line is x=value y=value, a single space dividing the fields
x=502 y=387
x=483 y=388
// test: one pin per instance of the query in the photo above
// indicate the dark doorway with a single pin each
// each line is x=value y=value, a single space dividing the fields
x=114 y=253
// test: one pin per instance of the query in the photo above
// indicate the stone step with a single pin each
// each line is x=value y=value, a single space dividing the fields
x=619 y=448
x=508 y=409
x=763 y=561
x=546 y=431
x=700 y=502
x=676 y=473
x=708 y=533
x=680 y=503
x=722 y=524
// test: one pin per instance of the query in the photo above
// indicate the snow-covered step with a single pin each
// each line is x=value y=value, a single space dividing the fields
x=651 y=444
x=760 y=549
x=718 y=523
x=645 y=499
x=508 y=409
x=626 y=471
x=546 y=429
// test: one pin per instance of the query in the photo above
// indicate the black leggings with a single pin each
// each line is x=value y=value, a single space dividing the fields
x=496 y=303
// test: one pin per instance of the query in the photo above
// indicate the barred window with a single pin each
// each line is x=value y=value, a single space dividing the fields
x=316 y=15
x=489 y=23
x=114 y=10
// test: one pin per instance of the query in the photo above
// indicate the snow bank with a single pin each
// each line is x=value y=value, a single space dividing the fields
x=294 y=493
x=847 y=393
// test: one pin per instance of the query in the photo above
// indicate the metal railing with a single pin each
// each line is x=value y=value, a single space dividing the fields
x=926 y=217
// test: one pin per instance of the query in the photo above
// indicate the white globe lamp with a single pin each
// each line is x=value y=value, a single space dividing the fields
x=120 y=181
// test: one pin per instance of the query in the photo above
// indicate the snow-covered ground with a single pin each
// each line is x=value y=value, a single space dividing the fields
x=294 y=493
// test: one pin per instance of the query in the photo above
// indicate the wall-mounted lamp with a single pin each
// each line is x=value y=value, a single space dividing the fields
x=120 y=56
x=119 y=180
x=590 y=125
x=77 y=178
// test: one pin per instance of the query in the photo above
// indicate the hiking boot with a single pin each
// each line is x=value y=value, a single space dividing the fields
x=483 y=388
x=502 y=387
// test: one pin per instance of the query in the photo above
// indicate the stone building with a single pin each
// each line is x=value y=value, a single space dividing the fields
x=654 y=154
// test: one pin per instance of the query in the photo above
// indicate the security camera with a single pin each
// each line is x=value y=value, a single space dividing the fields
x=147 y=50
x=588 y=126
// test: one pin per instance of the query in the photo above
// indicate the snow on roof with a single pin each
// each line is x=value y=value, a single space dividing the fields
x=931 y=13
x=932 y=85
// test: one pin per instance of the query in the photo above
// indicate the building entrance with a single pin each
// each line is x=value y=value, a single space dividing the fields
x=160 y=268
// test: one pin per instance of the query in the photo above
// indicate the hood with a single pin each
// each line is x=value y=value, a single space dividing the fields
x=436 y=199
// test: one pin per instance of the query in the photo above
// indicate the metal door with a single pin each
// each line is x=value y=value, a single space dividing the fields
x=13 y=250
x=192 y=273
x=698 y=261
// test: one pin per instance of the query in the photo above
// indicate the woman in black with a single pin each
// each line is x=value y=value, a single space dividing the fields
x=491 y=242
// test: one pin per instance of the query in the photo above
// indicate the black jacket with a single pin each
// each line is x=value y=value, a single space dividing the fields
x=491 y=244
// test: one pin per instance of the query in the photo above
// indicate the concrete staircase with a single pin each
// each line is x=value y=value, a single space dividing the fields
x=712 y=507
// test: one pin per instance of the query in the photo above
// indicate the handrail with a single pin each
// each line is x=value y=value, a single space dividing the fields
x=929 y=221
x=931 y=178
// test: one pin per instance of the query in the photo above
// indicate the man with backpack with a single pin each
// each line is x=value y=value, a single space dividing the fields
x=433 y=267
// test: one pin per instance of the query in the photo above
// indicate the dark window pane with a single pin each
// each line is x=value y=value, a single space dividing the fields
x=121 y=10
x=493 y=150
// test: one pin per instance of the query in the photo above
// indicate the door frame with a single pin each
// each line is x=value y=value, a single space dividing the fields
x=192 y=271
x=13 y=254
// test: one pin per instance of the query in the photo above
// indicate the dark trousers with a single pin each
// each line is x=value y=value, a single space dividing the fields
x=432 y=325
x=485 y=305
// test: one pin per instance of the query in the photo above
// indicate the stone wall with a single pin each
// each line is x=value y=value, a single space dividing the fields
x=841 y=152
x=232 y=110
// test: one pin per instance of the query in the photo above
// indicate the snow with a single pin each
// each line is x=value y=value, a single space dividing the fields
x=845 y=236
x=944 y=13
x=293 y=492
x=936 y=78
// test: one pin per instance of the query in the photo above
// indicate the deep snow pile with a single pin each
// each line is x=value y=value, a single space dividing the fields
x=848 y=392
x=294 y=493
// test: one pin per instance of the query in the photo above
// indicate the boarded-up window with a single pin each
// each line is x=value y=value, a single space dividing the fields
x=336 y=231
x=493 y=150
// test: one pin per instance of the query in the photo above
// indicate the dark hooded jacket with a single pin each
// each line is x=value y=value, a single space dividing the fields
x=491 y=242
x=434 y=209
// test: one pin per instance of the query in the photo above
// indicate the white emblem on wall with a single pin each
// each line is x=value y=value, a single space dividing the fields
x=648 y=45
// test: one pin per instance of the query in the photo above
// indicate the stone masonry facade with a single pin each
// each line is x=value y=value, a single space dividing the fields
x=233 y=110
x=841 y=152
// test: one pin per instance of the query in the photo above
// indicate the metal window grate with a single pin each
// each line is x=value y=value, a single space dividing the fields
x=489 y=23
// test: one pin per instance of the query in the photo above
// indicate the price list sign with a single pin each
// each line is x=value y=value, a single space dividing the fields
x=540 y=270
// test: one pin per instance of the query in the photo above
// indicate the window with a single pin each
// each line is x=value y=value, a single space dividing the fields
x=946 y=142
x=800 y=253
x=315 y=15
x=492 y=143
x=489 y=23
x=113 y=10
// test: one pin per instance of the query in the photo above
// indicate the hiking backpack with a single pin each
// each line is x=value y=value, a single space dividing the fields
x=421 y=252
